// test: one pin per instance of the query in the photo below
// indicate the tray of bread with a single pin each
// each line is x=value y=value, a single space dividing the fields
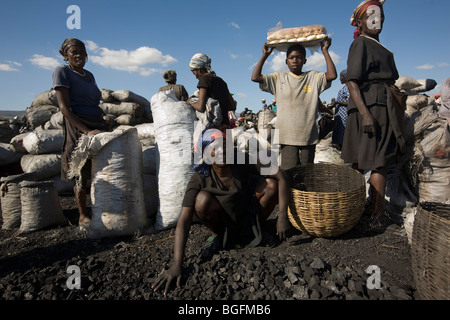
x=307 y=36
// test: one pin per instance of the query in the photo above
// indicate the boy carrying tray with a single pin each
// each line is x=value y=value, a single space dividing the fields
x=297 y=95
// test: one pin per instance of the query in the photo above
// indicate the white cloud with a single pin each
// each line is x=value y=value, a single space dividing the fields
x=9 y=66
x=44 y=62
x=425 y=67
x=242 y=95
x=278 y=62
x=131 y=61
x=235 y=25
x=91 y=45
x=316 y=61
x=443 y=64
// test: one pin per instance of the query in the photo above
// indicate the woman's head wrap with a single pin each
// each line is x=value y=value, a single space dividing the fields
x=69 y=42
x=343 y=73
x=170 y=76
x=360 y=10
x=201 y=60
x=206 y=138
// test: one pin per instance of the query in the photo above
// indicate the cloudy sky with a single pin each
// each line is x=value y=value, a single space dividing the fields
x=131 y=43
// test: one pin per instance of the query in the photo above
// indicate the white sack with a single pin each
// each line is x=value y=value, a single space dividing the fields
x=45 y=98
x=130 y=96
x=55 y=122
x=117 y=194
x=39 y=115
x=326 y=153
x=8 y=156
x=121 y=108
x=43 y=165
x=16 y=143
x=43 y=141
x=145 y=130
x=407 y=83
x=174 y=128
x=41 y=207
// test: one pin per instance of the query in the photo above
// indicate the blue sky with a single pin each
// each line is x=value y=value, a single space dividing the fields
x=131 y=43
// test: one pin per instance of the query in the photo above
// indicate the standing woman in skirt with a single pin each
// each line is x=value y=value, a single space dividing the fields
x=373 y=133
x=78 y=98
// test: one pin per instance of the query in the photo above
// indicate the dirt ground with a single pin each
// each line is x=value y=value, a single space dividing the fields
x=35 y=266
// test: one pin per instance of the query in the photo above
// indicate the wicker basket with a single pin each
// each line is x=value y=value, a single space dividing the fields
x=430 y=251
x=326 y=199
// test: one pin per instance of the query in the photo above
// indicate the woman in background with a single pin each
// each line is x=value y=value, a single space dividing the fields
x=211 y=86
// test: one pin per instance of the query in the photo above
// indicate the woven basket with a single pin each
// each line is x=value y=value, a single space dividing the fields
x=326 y=199
x=430 y=251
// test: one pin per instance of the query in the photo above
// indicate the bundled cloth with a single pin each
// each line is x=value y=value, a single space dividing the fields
x=211 y=118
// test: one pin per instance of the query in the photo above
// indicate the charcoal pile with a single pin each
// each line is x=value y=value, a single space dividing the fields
x=124 y=268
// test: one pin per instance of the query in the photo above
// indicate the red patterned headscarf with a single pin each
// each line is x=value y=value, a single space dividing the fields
x=360 y=10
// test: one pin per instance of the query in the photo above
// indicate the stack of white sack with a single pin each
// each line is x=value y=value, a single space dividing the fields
x=117 y=190
x=28 y=204
x=42 y=108
x=428 y=164
x=174 y=129
x=41 y=155
x=416 y=90
x=9 y=128
x=124 y=107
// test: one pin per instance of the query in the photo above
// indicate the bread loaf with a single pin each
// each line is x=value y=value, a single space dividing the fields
x=308 y=36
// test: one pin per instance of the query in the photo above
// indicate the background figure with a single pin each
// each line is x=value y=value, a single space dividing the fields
x=211 y=86
x=373 y=134
x=340 y=112
x=78 y=98
x=264 y=107
x=170 y=76
x=274 y=106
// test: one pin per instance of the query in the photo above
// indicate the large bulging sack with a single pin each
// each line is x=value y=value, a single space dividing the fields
x=41 y=207
x=43 y=141
x=39 y=115
x=45 y=98
x=8 y=156
x=130 y=96
x=117 y=193
x=432 y=149
x=174 y=128
x=10 y=200
x=43 y=165
x=56 y=122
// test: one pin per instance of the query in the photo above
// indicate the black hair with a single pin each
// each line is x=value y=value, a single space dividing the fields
x=296 y=47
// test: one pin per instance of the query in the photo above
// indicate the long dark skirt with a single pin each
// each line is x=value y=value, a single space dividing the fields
x=369 y=151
